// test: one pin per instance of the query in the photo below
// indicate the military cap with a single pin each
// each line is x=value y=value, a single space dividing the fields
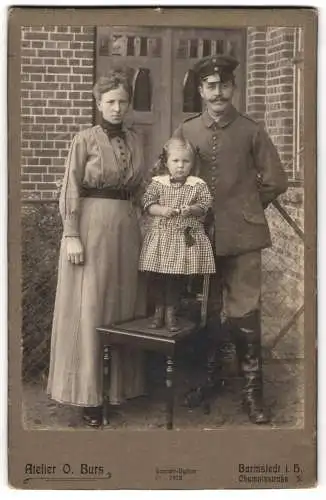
x=224 y=65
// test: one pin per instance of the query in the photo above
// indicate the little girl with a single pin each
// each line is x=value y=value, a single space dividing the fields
x=175 y=243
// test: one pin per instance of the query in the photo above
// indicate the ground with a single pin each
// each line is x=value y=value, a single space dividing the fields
x=283 y=382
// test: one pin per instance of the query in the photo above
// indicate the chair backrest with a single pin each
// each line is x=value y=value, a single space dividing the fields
x=194 y=300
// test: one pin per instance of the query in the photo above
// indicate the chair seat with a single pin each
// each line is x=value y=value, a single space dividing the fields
x=137 y=331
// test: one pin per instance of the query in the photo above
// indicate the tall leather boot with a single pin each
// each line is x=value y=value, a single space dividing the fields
x=201 y=395
x=216 y=345
x=247 y=332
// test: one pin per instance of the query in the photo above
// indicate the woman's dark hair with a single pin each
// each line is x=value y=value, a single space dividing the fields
x=111 y=81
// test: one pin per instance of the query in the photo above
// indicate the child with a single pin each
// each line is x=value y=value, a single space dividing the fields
x=175 y=243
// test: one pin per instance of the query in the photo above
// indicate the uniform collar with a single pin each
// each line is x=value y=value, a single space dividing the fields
x=228 y=116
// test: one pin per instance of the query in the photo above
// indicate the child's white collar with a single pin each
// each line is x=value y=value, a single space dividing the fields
x=190 y=181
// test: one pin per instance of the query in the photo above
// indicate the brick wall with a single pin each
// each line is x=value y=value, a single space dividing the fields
x=256 y=73
x=270 y=99
x=279 y=90
x=56 y=81
x=270 y=96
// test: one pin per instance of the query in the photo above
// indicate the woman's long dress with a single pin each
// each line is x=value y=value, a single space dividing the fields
x=107 y=286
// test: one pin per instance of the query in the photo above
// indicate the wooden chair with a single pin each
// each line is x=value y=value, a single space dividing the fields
x=138 y=334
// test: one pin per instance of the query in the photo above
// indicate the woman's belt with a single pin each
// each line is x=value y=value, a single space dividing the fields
x=106 y=192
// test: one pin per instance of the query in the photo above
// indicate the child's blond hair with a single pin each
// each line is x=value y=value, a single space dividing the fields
x=160 y=166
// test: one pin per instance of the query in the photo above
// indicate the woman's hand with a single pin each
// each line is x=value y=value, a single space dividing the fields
x=75 y=250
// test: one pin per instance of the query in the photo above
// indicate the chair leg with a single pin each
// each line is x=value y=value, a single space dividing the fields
x=106 y=371
x=170 y=391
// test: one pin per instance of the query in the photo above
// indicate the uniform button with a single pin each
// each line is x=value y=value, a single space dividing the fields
x=213 y=158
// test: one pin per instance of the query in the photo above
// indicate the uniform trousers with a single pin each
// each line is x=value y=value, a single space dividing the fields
x=233 y=311
x=234 y=315
x=235 y=289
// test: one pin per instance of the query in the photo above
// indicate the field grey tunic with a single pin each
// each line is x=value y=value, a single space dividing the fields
x=106 y=287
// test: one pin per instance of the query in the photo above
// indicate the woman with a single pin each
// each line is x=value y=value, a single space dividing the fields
x=98 y=267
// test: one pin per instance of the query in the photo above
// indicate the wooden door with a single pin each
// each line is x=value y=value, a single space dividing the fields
x=143 y=53
x=159 y=59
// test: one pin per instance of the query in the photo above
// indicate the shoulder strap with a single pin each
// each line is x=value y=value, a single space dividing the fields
x=192 y=117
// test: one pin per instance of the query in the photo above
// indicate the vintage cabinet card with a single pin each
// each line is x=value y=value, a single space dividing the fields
x=162 y=292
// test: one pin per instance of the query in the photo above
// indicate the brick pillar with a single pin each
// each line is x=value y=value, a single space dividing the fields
x=279 y=90
x=56 y=80
x=256 y=72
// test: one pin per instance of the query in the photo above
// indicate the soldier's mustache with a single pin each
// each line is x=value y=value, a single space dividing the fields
x=219 y=100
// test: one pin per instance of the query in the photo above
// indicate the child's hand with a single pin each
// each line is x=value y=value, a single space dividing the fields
x=186 y=211
x=169 y=212
x=159 y=211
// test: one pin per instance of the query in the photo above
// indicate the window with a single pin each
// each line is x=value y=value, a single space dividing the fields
x=191 y=97
x=142 y=87
x=122 y=45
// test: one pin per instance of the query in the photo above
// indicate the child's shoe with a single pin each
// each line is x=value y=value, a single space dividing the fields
x=158 y=319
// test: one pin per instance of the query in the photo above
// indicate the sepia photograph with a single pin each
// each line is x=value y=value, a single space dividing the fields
x=229 y=101
x=162 y=208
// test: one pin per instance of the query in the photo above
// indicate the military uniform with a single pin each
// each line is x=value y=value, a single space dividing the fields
x=242 y=168
x=243 y=172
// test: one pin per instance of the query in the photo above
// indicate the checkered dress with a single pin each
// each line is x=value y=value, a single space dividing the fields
x=164 y=248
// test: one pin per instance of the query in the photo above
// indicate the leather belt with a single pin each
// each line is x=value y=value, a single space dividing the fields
x=106 y=192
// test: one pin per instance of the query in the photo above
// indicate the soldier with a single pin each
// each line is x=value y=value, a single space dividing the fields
x=243 y=170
